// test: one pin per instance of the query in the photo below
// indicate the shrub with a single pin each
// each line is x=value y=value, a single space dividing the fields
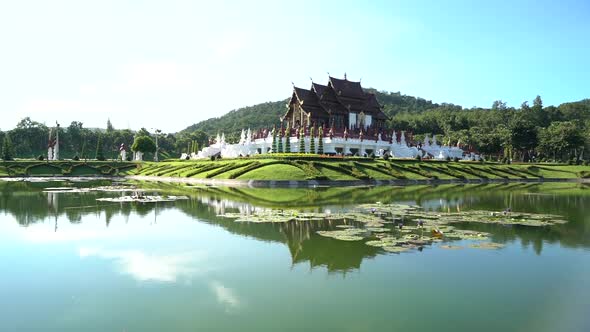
x=40 y=157
x=585 y=162
x=456 y=159
x=419 y=157
x=76 y=158
x=448 y=158
x=386 y=156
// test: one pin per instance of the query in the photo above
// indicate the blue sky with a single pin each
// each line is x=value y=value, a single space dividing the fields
x=169 y=64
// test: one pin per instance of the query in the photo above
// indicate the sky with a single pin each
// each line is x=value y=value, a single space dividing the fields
x=170 y=64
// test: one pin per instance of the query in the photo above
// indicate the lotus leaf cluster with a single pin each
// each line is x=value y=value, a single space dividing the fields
x=412 y=227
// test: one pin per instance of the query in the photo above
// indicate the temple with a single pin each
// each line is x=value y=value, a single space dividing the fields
x=339 y=105
x=339 y=118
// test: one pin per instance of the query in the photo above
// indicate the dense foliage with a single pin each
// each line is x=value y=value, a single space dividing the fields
x=525 y=133
x=6 y=148
x=143 y=144
x=501 y=132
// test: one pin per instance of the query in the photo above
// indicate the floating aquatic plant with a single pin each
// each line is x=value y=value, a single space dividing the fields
x=419 y=227
x=487 y=245
x=396 y=249
x=347 y=234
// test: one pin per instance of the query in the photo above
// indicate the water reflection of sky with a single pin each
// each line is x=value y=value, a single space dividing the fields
x=181 y=266
x=151 y=267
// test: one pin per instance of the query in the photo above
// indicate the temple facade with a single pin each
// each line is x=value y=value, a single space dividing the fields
x=339 y=105
x=342 y=119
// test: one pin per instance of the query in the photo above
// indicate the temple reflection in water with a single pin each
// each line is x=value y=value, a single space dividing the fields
x=301 y=238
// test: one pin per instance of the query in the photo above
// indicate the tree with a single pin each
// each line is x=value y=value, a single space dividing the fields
x=29 y=138
x=561 y=138
x=273 y=142
x=499 y=105
x=143 y=144
x=7 y=153
x=188 y=140
x=110 y=127
x=280 y=141
x=74 y=135
x=538 y=103
x=99 y=149
x=143 y=132
x=523 y=136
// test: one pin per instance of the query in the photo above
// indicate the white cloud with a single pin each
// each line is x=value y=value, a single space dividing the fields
x=225 y=296
x=150 y=267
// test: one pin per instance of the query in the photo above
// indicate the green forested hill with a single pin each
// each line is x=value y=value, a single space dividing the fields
x=266 y=115
x=536 y=131
x=529 y=132
x=263 y=115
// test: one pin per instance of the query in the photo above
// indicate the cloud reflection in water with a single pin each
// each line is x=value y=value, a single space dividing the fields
x=151 y=267
x=225 y=296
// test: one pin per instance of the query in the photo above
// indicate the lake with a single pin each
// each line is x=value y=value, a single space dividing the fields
x=72 y=263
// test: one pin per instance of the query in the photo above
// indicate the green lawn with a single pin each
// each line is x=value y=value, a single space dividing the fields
x=355 y=169
x=274 y=172
x=313 y=168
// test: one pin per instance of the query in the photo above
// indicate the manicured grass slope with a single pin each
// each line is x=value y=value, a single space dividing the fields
x=64 y=168
x=351 y=169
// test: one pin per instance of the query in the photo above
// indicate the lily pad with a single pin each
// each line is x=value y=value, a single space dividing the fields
x=487 y=245
x=347 y=234
x=396 y=249
x=378 y=229
x=467 y=235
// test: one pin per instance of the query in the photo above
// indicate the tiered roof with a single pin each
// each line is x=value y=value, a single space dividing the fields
x=309 y=101
x=340 y=96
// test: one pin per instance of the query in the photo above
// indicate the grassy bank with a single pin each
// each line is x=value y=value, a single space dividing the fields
x=64 y=168
x=301 y=168
x=354 y=169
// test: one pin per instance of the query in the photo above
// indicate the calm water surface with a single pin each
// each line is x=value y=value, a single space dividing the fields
x=71 y=263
